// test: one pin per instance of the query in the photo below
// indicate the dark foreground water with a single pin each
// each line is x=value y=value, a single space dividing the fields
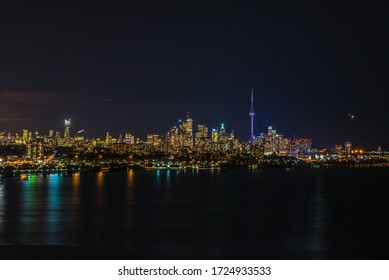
x=265 y=214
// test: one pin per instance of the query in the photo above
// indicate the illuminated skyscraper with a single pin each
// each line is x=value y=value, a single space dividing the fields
x=108 y=138
x=252 y=114
x=187 y=132
x=129 y=139
x=173 y=140
x=201 y=136
x=222 y=130
x=25 y=137
x=347 y=148
x=215 y=135
x=67 y=131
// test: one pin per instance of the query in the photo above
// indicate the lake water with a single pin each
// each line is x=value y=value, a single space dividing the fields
x=206 y=214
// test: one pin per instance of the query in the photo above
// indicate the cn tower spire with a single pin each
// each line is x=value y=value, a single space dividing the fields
x=252 y=114
x=252 y=100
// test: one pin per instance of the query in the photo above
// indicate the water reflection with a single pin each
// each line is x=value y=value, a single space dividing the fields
x=157 y=176
x=201 y=216
x=130 y=178
x=168 y=173
x=318 y=218
x=76 y=180
x=100 y=179
x=29 y=205
x=129 y=220
x=75 y=200
x=53 y=209
x=98 y=211
x=2 y=207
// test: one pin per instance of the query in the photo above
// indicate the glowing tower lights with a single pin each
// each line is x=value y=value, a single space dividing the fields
x=67 y=131
x=252 y=114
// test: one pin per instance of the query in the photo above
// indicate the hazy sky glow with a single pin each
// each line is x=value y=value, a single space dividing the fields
x=140 y=67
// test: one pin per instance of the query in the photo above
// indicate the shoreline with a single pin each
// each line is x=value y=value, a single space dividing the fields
x=20 y=173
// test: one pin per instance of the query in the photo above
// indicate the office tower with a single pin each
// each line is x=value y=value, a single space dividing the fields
x=173 y=140
x=34 y=149
x=339 y=149
x=67 y=131
x=201 y=136
x=202 y=132
x=108 y=138
x=187 y=132
x=215 y=136
x=154 y=142
x=129 y=138
x=222 y=129
x=301 y=147
x=25 y=137
x=347 y=148
x=153 y=139
x=252 y=114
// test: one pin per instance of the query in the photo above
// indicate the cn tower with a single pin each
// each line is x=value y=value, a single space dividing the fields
x=252 y=114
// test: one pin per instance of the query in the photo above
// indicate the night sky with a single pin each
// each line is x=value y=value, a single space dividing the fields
x=140 y=67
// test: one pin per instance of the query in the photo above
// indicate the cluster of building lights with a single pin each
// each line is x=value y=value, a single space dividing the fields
x=180 y=140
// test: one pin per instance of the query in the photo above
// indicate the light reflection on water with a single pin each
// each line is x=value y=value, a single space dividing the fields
x=130 y=219
x=2 y=206
x=53 y=209
x=318 y=218
x=130 y=178
x=220 y=212
x=28 y=205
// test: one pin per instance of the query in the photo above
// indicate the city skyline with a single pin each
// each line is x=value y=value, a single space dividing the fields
x=252 y=139
x=311 y=66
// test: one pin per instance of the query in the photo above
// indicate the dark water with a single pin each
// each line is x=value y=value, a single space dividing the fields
x=265 y=214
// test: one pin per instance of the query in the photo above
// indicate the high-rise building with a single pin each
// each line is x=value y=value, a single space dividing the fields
x=215 y=135
x=252 y=114
x=129 y=139
x=34 y=149
x=339 y=150
x=201 y=136
x=187 y=132
x=154 y=142
x=67 y=131
x=173 y=140
x=25 y=137
x=347 y=148
x=222 y=130
x=301 y=147
x=108 y=139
